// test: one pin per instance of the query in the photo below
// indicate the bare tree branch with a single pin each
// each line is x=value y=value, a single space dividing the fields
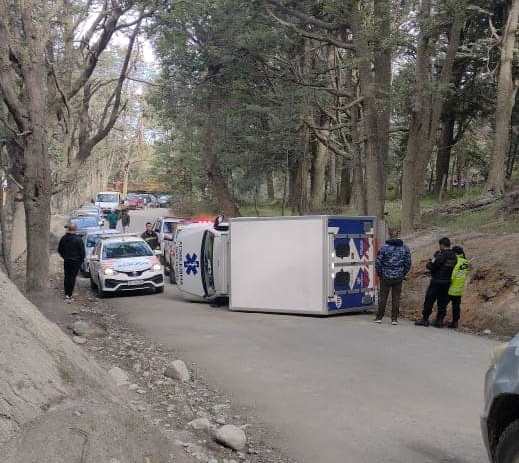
x=305 y=18
x=86 y=147
x=310 y=35
x=109 y=27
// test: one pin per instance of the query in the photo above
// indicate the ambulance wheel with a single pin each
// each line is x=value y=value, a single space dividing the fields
x=172 y=278
x=159 y=290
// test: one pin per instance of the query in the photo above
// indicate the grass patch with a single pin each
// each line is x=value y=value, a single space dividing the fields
x=488 y=220
x=264 y=210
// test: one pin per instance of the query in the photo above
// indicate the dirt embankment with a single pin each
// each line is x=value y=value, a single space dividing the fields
x=56 y=404
x=491 y=300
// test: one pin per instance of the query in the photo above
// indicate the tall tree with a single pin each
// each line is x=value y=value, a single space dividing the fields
x=506 y=93
x=429 y=96
x=38 y=95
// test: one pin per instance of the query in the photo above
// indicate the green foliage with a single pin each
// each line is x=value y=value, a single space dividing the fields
x=224 y=52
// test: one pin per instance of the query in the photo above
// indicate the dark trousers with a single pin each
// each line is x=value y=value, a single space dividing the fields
x=456 y=308
x=70 y=270
x=436 y=292
x=387 y=286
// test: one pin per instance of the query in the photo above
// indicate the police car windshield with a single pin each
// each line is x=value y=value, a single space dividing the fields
x=122 y=250
x=92 y=241
x=107 y=198
x=87 y=221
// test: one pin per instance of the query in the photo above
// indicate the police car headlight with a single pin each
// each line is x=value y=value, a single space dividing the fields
x=109 y=271
x=157 y=267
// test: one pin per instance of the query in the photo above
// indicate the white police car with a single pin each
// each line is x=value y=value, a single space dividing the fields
x=90 y=239
x=124 y=263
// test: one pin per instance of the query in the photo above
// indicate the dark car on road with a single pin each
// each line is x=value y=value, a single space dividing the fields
x=86 y=222
x=500 y=418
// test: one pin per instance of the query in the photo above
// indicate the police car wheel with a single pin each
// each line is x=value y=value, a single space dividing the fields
x=100 y=293
x=507 y=450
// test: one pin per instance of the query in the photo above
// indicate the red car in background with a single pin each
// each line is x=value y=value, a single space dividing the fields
x=134 y=201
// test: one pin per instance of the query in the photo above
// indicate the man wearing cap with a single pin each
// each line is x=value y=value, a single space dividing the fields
x=72 y=251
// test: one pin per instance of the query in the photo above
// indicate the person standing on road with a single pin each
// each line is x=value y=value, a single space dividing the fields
x=441 y=267
x=72 y=251
x=457 y=287
x=392 y=265
x=125 y=219
x=150 y=236
x=112 y=218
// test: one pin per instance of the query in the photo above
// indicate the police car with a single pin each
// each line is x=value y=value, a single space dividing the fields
x=90 y=239
x=124 y=263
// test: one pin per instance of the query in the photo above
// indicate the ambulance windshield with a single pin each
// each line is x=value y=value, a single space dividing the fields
x=207 y=264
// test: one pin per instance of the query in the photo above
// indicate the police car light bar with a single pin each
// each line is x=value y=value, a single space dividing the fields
x=119 y=235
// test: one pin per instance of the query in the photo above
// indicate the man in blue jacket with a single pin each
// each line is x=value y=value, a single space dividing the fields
x=392 y=265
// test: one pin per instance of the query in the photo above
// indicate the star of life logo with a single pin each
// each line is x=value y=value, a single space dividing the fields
x=191 y=264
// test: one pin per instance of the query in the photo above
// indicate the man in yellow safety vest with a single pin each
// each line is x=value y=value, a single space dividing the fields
x=457 y=287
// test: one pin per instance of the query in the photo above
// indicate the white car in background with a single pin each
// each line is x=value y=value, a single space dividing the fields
x=108 y=201
x=124 y=263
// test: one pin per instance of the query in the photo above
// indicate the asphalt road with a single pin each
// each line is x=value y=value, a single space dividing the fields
x=333 y=390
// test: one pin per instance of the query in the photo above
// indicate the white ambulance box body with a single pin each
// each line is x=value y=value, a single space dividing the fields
x=317 y=265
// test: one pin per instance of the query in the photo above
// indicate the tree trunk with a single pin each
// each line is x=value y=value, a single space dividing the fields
x=7 y=212
x=382 y=78
x=344 y=197
x=332 y=175
x=292 y=184
x=217 y=182
x=512 y=157
x=425 y=114
x=374 y=150
x=37 y=193
x=270 y=186
x=506 y=91
x=444 y=152
x=37 y=198
x=359 y=171
x=319 y=162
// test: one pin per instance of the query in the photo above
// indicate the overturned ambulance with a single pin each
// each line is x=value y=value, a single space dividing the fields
x=317 y=265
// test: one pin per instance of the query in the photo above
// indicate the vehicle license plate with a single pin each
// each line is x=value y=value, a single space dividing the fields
x=135 y=282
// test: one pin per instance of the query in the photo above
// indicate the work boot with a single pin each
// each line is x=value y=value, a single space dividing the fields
x=438 y=323
x=453 y=325
x=422 y=322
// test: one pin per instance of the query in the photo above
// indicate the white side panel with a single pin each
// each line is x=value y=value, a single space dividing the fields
x=277 y=265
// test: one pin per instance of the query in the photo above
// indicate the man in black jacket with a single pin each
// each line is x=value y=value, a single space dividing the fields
x=72 y=250
x=441 y=267
x=150 y=236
